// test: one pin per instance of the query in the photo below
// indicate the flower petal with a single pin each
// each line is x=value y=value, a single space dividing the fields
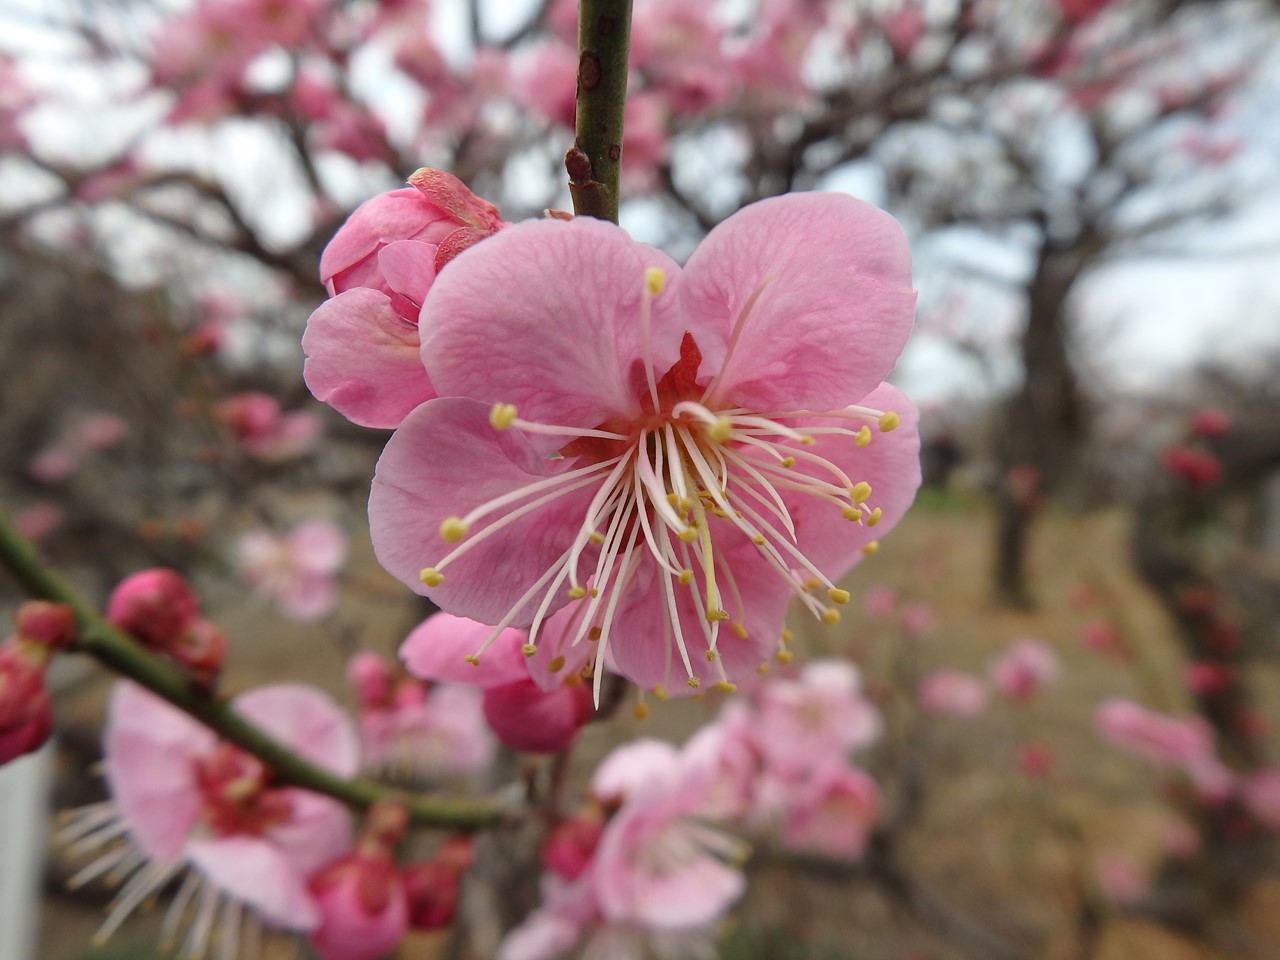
x=545 y=315
x=527 y=718
x=834 y=316
x=891 y=464
x=251 y=869
x=307 y=720
x=362 y=359
x=317 y=832
x=437 y=648
x=445 y=460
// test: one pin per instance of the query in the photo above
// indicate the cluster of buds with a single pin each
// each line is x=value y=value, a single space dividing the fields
x=1190 y=461
x=160 y=610
x=26 y=720
x=367 y=903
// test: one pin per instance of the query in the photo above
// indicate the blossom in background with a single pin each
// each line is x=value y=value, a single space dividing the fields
x=953 y=694
x=91 y=434
x=724 y=439
x=256 y=422
x=1024 y=669
x=362 y=345
x=657 y=878
x=159 y=609
x=415 y=730
x=298 y=571
x=184 y=804
x=536 y=702
x=1185 y=743
x=26 y=715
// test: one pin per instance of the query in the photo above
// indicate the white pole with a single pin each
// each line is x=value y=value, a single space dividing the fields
x=24 y=787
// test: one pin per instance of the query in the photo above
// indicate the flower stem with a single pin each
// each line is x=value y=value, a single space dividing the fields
x=595 y=159
x=121 y=653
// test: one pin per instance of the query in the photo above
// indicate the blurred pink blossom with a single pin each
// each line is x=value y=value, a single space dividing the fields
x=1124 y=881
x=39 y=520
x=298 y=571
x=264 y=432
x=952 y=693
x=1261 y=795
x=833 y=813
x=1024 y=669
x=1186 y=743
x=879 y=601
x=804 y=723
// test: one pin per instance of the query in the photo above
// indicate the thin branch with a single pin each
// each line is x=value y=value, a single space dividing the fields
x=595 y=159
x=121 y=653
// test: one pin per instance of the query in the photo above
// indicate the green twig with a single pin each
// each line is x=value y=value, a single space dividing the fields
x=121 y=653
x=595 y=159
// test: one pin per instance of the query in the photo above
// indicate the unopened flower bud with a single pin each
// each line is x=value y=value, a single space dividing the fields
x=200 y=650
x=156 y=606
x=26 y=719
x=372 y=678
x=570 y=844
x=51 y=625
x=364 y=913
x=431 y=887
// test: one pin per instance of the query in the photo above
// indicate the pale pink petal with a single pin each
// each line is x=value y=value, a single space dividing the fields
x=307 y=720
x=445 y=460
x=437 y=648
x=562 y=351
x=151 y=749
x=317 y=832
x=397 y=215
x=628 y=768
x=891 y=464
x=252 y=870
x=362 y=359
x=410 y=268
x=696 y=894
x=835 y=314
x=318 y=545
x=556 y=648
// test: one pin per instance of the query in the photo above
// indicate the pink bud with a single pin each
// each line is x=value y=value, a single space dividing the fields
x=156 y=606
x=1210 y=422
x=372 y=678
x=525 y=717
x=26 y=719
x=363 y=909
x=570 y=844
x=200 y=650
x=51 y=625
x=431 y=887
x=1207 y=678
x=1200 y=469
x=1035 y=759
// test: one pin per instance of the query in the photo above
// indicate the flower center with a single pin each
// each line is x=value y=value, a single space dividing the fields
x=237 y=797
x=673 y=485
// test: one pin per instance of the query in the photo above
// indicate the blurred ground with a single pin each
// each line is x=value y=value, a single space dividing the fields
x=1001 y=858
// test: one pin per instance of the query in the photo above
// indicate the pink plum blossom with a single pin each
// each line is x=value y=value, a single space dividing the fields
x=362 y=345
x=39 y=520
x=186 y=803
x=1261 y=795
x=833 y=814
x=1186 y=743
x=880 y=601
x=806 y=722
x=263 y=430
x=413 y=729
x=431 y=887
x=1024 y=669
x=26 y=714
x=298 y=570
x=159 y=608
x=725 y=439
x=533 y=703
x=952 y=693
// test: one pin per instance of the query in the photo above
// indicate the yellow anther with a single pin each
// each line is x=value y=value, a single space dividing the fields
x=787 y=635
x=784 y=656
x=860 y=491
x=685 y=504
x=588 y=671
x=787 y=462
x=831 y=616
x=641 y=712
x=577 y=593
x=762 y=669
x=685 y=578
x=431 y=576
x=713 y=614
x=724 y=686
x=871 y=547
x=594 y=634
x=452 y=530
x=661 y=692
x=711 y=656
x=716 y=511
x=863 y=436
x=838 y=596
x=807 y=441
x=739 y=629
x=888 y=421
x=572 y=680
x=720 y=430
x=596 y=537
x=528 y=649
x=655 y=280
x=673 y=499
x=874 y=518
x=556 y=665
x=502 y=415
x=688 y=534
x=472 y=659
x=813 y=583
x=759 y=540
x=594 y=592
x=738 y=514
x=852 y=514
x=694 y=683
